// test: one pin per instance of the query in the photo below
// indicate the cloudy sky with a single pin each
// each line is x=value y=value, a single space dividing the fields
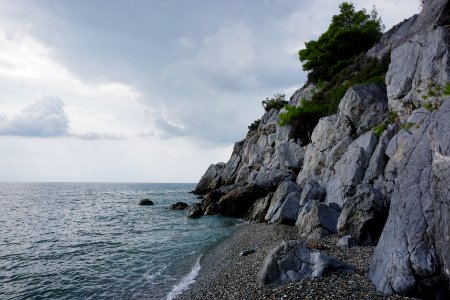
x=146 y=90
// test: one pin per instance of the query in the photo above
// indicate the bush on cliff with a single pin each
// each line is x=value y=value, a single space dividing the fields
x=278 y=101
x=350 y=33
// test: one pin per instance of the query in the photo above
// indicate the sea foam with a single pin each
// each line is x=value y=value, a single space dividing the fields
x=185 y=282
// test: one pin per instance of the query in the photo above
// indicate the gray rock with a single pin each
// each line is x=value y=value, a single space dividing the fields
x=287 y=213
x=259 y=209
x=311 y=191
x=306 y=92
x=290 y=155
x=212 y=173
x=363 y=216
x=194 y=211
x=317 y=215
x=397 y=144
x=237 y=202
x=349 y=170
x=365 y=105
x=293 y=261
x=272 y=178
x=412 y=255
x=279 y=197
x=179 y=206
x=209 y=201
x=346 y=242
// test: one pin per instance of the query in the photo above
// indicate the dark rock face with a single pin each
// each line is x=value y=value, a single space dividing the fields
x=293 y=261
x=194 y=211
x=412 y=256
x=179 y=206
x=364 y=216
x=259 y=209
x=146 y=202
x=237 y=202
x=212 y=174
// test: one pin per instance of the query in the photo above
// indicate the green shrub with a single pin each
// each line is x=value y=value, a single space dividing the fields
x=303 y=119
x=350 y=33
x=254 y=125
x=278 y=101
x=379 y=129
x=430 y=107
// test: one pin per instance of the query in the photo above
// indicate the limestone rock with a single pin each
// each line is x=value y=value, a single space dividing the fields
x=284 y=205
x=412 y=255
x=365 y=105
x=290 y=155
x=212 y=173
x=293 y=261
x=363 y=216
x=346 y=242
x=317 y=215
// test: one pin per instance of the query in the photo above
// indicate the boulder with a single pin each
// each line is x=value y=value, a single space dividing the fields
x=290 y=155
x=363 y=216
x=294 y=261
x=194 y=211
x=209 y=201
x=412 y=256
x=365 y=105
x=346 y=242
x=237 y=202
x=146 y=202
x=317 y=215
x=259 y=209
x=284 y=205
x=312 y=191
x=179 y=206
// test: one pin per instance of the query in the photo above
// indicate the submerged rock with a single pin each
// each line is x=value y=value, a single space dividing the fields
x=146 y=201
x=293 y=261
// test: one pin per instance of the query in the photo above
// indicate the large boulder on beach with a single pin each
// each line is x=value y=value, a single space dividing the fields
x=237 y=202
x=412 y=256
x=194 y=211
x=294 y=260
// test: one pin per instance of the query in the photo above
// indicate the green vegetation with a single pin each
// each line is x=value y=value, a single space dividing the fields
x=254 y=125
x=430 y=107
x=379 y=129
x=278 y=101
x=447 y=89
x=350 y=33
x=303 y=118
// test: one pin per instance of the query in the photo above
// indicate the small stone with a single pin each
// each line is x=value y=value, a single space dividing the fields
x=146 y=202
x=247 y=252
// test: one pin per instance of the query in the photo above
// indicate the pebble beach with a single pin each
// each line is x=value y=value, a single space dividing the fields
x=225 y=274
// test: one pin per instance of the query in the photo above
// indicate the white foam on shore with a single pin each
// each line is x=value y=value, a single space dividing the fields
x=185 y=282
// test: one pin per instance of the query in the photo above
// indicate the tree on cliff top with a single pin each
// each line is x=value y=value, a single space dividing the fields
x=350 y=33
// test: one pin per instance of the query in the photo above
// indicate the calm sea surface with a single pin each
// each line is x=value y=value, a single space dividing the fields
x=93 y=241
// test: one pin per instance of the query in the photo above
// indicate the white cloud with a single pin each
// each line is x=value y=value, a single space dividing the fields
x=187 y=43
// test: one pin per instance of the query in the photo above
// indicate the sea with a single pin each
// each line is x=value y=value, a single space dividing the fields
x=93 y=240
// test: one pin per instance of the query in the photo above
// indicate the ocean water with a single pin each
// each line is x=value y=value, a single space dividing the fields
x=93 y=241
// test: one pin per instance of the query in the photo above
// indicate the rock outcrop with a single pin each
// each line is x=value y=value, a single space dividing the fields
x=412 y=256
x=387 y=187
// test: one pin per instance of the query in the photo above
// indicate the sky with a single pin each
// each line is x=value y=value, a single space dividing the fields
x=146 y=90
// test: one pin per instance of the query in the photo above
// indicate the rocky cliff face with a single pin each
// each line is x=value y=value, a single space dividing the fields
x=389 y=189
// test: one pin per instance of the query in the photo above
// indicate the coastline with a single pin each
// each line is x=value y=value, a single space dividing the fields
x=224 y=274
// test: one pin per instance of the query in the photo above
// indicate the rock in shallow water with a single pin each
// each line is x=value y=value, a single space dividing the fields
x=294 y=260
x=179 y=206
x=194 y=211
x=146 y=202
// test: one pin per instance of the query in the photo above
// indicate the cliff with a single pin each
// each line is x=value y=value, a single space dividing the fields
x=378 y=169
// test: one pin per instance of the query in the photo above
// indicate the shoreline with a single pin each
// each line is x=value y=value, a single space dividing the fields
x=224 y=274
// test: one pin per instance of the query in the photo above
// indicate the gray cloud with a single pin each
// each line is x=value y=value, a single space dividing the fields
x=46 y=118
x=43 y=118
